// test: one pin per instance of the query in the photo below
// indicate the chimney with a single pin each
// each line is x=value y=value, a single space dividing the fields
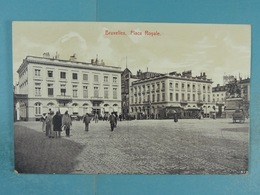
x=73 y=57
x=46 y=55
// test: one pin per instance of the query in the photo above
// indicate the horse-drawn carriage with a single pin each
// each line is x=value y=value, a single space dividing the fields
x=238 y=115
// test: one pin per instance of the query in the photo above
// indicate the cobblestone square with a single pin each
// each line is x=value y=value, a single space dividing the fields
x=189 y=146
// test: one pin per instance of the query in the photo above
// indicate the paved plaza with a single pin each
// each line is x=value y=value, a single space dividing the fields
x=190 y=146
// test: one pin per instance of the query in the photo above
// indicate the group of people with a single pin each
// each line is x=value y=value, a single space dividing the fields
x=53 y=125
x=112 y=119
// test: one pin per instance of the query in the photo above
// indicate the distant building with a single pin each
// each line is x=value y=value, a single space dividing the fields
x=126 y=80
x=219 y=94
x=180 y=91
x=50 y=83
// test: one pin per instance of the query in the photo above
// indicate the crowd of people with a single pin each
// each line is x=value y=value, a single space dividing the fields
x=53 y=125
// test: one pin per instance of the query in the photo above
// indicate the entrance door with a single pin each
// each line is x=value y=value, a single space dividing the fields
x=96 y=111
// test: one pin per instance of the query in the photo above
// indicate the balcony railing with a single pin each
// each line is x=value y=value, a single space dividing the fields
x=63 y=96
x=184 y=102
x=96 y=98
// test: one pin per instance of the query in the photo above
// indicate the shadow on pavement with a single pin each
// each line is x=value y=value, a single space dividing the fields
x=36 y=153
x=237 y=129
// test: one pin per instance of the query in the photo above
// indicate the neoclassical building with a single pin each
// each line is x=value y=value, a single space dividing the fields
x=127 y=78
x=51 y=83
x=180 y=91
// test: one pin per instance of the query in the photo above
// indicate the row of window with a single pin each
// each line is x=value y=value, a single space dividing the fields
x=177 y=98
x=75 y=90
x=183 y=87
x=38 y=107
x=217 y=94
x=85 y=76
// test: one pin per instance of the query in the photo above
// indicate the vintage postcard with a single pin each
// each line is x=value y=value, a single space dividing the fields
x=131 y=98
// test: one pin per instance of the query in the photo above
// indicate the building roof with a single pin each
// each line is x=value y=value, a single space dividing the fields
x=175 y=76
x=67 y=63
x=244 y=81
x=219 y=88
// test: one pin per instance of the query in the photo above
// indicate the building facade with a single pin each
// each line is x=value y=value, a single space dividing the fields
x=79 y=87
x=182 y=92
x=220 y=95
x=127 y=78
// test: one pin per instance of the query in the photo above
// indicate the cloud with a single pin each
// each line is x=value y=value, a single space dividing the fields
x=103 y=48
x=71 y=35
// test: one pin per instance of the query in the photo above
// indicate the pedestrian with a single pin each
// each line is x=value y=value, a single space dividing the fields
x=57 y=123
x=214 y=115
x=66 y=123
x=175 y=117
x=96 y=118
x=199 y=115
x=43 y=119
x=49 y=126
x=112 y=121
x=86 y=120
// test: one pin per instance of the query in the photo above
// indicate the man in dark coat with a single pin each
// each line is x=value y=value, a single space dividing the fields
x=86 y=120
x=57 y=123
x=112 y=120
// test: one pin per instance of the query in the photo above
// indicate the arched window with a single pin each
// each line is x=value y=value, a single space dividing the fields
x=106 y=108
x=115 y=107
x=38 y=108
x=85 y=108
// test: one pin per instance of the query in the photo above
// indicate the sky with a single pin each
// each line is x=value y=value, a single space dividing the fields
x=216 y=49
